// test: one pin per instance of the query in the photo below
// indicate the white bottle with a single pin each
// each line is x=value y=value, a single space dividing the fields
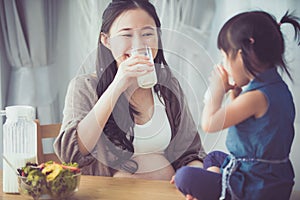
x=19 y=143
x=150 y=79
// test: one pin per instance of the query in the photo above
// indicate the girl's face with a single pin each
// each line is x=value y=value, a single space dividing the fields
x=236 y=69
x=132 y=29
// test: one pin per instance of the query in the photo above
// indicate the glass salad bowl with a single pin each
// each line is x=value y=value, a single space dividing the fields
x=49 y=180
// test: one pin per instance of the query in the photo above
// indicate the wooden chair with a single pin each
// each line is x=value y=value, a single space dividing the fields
x=46 y=131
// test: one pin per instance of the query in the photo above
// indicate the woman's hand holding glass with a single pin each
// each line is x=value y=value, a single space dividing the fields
x=131 y=68
x=147 y=80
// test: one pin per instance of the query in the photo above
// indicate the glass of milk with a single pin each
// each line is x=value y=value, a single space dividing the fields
x=150 y=79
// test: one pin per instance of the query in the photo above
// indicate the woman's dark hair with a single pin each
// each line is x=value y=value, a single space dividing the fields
x=257 y=34
x=120 y=122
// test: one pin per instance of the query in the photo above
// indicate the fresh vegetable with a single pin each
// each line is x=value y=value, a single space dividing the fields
x=57 y=180
x=52 y=171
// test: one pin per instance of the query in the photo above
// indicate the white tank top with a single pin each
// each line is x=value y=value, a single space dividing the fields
x=155 y=135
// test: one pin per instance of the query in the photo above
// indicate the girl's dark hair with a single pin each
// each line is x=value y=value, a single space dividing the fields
x=257 y=34
x=120 y=122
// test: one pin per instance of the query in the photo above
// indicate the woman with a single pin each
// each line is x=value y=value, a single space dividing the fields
x=112 y=127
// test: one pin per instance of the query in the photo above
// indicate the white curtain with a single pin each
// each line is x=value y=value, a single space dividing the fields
x=87 y=15
x=29 y=31
x=186 y=27
x=4 y=72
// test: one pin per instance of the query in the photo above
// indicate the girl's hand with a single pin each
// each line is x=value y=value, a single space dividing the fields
x=219 y=83
x=236 y=91
x=172 y=181
x=130 y=69
x=190 y=197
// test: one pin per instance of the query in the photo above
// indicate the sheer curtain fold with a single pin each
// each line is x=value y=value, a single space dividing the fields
x=186 y=29
x=29 y=29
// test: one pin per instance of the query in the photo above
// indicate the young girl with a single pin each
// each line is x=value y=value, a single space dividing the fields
x=260 y=117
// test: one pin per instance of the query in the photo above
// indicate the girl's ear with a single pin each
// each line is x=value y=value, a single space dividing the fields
x=239 y=55
x=105 y=40
x=239 y=58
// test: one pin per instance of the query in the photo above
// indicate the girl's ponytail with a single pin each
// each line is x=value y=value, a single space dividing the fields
x=289 y=18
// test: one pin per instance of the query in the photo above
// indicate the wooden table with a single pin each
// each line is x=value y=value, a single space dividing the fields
x=108 y=188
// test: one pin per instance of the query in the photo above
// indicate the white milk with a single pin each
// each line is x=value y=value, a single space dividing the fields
x=148 y=80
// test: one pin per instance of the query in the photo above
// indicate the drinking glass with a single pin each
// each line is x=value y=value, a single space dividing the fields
x=150 y=79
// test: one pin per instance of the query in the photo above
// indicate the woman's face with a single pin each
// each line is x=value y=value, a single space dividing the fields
x=132 y=29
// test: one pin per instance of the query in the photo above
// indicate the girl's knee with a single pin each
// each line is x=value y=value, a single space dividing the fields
x=214 y=158
x=183 y=176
